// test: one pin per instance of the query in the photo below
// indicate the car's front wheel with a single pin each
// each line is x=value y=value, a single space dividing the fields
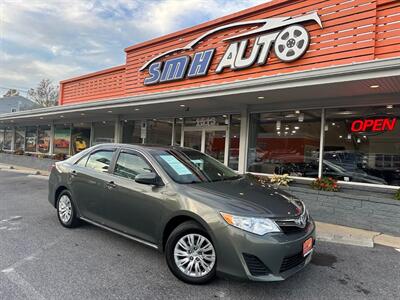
x=66 y=210
x=190 y=254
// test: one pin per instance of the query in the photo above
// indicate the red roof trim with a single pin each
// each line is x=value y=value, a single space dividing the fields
x=101 y=72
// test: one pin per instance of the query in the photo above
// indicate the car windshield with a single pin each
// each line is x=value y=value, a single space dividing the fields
x=191 y=166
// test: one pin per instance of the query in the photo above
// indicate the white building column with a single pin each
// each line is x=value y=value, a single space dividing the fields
x=118 y=131
x=13 y=139
x=173 y=139
x=51 y=145
x=321 y=145
x=244 y=138
x=91 y=134
x=227 y=142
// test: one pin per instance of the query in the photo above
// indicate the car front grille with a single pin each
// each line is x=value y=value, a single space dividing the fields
x=255 y=265
x=291 y=229
x=290 y=262
x=291 y=226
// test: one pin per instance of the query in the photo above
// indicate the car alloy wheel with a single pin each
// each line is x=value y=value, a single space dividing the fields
x=194 y=255
x=65 y=209
x=190 y=253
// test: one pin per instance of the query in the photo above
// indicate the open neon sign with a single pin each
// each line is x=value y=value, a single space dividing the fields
x=374 y=125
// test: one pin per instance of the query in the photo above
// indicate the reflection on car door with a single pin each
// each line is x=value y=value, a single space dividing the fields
x=134 y=208
x=89 y=184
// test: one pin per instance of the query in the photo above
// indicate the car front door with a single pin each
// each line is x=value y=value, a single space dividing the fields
x=134 y=208
x=90 y=184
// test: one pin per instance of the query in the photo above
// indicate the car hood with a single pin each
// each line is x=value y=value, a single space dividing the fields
x=364 y=177
x=245 y=196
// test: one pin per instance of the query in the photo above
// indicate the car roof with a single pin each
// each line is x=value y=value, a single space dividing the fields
x=140 y=146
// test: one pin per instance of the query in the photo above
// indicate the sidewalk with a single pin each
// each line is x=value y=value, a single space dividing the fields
x=325 y=232
x=18 y=169
x=353 y=236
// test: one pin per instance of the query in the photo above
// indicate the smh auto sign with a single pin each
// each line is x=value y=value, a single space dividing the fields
x=285 y=35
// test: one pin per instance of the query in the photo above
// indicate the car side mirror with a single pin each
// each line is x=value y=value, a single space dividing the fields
x=148 y=178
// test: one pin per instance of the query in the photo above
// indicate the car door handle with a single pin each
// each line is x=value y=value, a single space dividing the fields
x=111 y=185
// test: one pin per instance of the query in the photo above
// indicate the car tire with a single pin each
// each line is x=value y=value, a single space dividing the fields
x=66 y=210
x=189 y=244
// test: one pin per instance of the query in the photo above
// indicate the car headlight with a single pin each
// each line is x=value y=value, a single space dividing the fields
x=258 y=226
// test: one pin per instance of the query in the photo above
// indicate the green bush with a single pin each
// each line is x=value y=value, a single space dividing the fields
x=397 y=195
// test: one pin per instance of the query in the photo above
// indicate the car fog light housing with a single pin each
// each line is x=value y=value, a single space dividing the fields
x=259 y=226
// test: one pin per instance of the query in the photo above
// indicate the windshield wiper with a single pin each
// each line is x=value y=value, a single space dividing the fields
x=234 y=177
x=192 y=182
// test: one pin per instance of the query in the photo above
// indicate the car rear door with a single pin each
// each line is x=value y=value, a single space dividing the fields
x=134 y=208
x=90 y=183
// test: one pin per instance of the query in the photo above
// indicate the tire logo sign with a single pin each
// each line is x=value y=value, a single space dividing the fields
x=285 y=36
x=292 y=43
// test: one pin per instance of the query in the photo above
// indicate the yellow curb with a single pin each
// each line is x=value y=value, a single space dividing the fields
x=345 y=235
x=18 y=169
x=333 y=229
x=387 y=240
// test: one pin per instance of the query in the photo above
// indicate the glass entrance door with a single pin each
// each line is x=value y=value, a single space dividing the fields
x=215 y=144
x=210 y=140
x=193 y=139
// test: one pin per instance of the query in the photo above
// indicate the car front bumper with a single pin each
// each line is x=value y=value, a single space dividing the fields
x=272 y=257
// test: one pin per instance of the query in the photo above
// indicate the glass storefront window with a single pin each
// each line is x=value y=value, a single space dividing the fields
x=234 y=142
x=44 y=133
x=20 y=138
x=62 y=139
x=103 y=132
x=192 y=139
x=8 y=133
x=159 y=132
x=285 y=143
x=131 y=132
x=362 y=145
x=31 y=139
x=80 y=137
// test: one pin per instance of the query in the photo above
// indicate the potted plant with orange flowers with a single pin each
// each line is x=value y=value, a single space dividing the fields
x=328 y=184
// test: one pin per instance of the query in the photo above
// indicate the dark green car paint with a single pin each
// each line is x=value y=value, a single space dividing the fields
x=145 y=211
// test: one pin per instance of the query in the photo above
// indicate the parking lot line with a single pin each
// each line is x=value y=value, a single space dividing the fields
x=30 y=292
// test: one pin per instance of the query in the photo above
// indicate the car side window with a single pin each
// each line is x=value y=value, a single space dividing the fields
x=82 y=162
x=130 y=164
x=100 y=160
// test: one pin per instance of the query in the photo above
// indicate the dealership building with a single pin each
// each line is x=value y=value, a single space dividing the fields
x=308 y=88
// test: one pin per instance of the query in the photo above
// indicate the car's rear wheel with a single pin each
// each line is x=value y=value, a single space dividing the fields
x=190 y=254
x=66 y=211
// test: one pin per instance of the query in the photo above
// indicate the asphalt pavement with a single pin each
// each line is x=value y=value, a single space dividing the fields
x=39 y=259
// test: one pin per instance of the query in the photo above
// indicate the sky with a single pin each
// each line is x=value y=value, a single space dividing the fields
x=60 y=39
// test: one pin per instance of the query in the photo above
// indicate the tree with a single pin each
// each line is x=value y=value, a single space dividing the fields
x=11 y=92
x=45 y=94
